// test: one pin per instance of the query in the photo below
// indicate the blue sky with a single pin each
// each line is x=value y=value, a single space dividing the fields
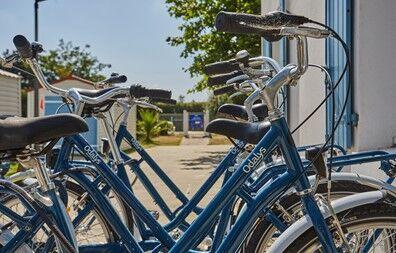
x=129 y=34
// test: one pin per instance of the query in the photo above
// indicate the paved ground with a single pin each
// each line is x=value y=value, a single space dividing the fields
x=191 y=163
x=188 y=165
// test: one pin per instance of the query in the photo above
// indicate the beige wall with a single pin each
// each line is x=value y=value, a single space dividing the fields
x=67 y=84
x=310 y=90
x=374 y=69
x=10 y=95
x=374 y=87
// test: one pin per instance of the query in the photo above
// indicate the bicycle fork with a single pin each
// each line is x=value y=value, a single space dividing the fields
x=303 y=186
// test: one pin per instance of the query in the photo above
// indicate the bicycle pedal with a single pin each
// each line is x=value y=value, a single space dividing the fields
x=206 y=244
x=155 y=214
x=176 y=234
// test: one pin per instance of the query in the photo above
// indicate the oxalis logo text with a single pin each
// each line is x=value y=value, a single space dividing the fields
x=253 y=162
x=92 y=154
x=136 y=144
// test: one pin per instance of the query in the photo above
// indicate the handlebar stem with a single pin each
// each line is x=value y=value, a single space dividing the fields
x=302 y=57
x=76 y=98
x=249 y=101
x=270 y=91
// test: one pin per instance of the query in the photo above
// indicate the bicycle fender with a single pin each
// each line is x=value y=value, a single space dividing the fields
x=354 y=177
x=339 y=205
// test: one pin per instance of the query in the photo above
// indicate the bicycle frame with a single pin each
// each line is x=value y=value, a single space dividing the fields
x=278 y=135
x=188 y=206
x=184 y=210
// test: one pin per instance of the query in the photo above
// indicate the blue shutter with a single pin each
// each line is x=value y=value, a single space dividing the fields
x=338 y=17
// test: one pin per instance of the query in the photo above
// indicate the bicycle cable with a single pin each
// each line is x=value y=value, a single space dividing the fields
x=347 y=66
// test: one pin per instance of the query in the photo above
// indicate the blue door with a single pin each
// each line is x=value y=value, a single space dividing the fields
x=53 y=105
x=196 y=122
x=338 y=17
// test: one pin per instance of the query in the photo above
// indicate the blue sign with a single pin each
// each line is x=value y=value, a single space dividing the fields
x=196 y=122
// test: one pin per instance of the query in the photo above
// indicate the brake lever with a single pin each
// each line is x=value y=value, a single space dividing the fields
x=145 y=104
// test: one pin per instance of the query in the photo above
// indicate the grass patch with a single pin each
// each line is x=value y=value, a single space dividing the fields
x=166 y=140
x=219 y=140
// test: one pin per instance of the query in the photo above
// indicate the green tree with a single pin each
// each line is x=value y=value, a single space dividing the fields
x=200 y=39
x=68 y=59
x=64 y=60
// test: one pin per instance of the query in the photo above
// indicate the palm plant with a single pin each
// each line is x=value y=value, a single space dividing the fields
x=149 y=125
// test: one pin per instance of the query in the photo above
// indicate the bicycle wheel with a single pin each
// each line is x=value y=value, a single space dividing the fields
x=359 y=225
x=38 y=238
x=264 y=232
x=91 y=229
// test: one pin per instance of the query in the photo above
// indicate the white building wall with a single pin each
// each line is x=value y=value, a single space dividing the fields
x=374 y=87
x=10 y=95
x=310 y=90
x=374 y=69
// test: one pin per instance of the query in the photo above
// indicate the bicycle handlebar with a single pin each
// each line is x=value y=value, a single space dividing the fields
x=224 y=67
x=223 y=78
x=225 y=90
x=25 y=51
x=267 y=26
x=221 y=67
x=114 y=79
x=137 y=91
x=163 y=100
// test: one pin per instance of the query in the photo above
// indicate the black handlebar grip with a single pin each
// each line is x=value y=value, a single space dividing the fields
x=23 y=46
x=222 y=79
x=267 y=26
x=224 y=90
x=164 y=101
x=159 y=93
x=115 y=79
x=138 y=91
x=221 y=67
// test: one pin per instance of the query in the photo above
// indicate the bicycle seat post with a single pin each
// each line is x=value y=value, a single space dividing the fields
x=31 y=161
x=109 y=133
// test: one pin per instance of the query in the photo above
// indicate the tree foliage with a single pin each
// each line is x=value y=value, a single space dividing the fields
x=57 y=63
x=199 y=38
x=68 y=59
x=180 y=106
x=64 y=60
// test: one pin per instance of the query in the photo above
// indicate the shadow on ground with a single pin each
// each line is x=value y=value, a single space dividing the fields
x=207 y=161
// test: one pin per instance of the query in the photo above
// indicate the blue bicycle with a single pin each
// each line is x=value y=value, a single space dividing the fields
x=330 y=237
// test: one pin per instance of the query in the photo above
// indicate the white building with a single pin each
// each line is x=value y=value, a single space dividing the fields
x=368 y=28
x=10 y=94
x=50 y=103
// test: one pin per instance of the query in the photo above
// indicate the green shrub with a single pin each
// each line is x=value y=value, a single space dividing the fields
x=179 y=107
x=149 y=125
